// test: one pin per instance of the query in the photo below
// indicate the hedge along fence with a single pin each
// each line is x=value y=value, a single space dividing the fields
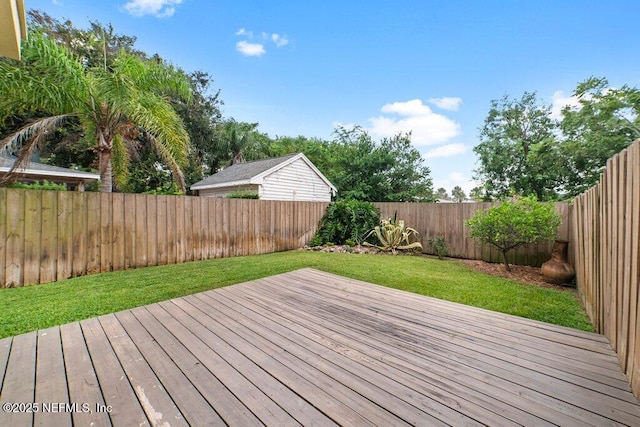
x=449 y=220
x=51 y=236
x=606 y=225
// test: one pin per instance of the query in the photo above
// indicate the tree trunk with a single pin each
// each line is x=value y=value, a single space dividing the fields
x=105 y=143
x=506 y=263
x=106 y=172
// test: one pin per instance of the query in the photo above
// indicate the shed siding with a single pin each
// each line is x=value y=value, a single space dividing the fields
x=297 y=182
x=223 y=191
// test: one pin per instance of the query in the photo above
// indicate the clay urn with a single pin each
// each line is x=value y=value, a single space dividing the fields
x=558 y=270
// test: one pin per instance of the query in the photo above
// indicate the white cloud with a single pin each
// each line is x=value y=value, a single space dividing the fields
x=446 y=103
x=559 y=101
x=57 y=2
x=279 y=40
x=427 y=127
x=257 y=49
x=243 y=32
x=158 y=8
x=250 y=49
x=446 y=151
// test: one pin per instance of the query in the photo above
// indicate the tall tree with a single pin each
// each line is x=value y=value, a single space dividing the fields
x=96 y=47
x=477 y=194
x=201 y=118
x=441 y=193
x=409 y=179
x=389 y=171
x=458 y=194
x=233 y=139
x=518 y=153
x=605 y=121
x=114 y=104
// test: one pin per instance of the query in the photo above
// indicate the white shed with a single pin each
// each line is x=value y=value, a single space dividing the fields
x=291 y=177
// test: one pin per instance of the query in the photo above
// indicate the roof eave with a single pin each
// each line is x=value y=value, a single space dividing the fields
x=75 y=175
x=221 y=184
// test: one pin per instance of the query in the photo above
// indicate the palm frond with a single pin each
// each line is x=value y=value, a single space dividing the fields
x=157 y=117
x=25 y=140
x=120 y=160
x=176 y=171
x=48 y=79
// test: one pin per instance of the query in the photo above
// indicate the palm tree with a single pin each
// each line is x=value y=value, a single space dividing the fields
x=118 y=106
x=234 y=139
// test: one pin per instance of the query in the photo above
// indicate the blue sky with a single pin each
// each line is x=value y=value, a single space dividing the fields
x=432 y=67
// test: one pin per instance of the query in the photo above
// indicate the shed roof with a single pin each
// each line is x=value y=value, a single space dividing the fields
x=39 y=170
x=253 y=172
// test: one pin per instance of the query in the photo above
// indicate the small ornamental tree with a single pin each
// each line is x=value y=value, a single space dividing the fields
x=514 y=224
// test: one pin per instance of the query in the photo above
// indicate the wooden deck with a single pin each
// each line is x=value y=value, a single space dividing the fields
x=310 y=348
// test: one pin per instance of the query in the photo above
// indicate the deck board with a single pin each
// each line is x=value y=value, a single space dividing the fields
x=82 y=383
x=312 y=348
x=19 y=381
x=51 y=378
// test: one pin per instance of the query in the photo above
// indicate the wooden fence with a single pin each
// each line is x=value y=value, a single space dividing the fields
x=49 y=236
x=606 y=222
x=448 y=220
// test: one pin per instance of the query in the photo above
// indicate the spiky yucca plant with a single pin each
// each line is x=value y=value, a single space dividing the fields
x=393 y=235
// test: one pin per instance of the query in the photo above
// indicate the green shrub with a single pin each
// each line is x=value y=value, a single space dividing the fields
x=170 y=190
x=393 y=235
x=243 y=195
x=346 y=220
x=315 y=241
x=44 y=185
x=510 y=225
x=439 y=246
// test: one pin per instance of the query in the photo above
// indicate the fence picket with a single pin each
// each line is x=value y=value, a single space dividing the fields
x=32 y=233
x=48 y=241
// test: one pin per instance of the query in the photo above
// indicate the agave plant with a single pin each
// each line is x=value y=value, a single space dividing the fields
x=393 y=235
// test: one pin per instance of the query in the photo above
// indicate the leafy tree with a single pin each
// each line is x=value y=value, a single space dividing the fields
x=458 y=194
x=322 y=153
x=201 y=118
x=114 y=105
x=605 y=122
x=514 y=224
x=441 y=193
x=518 y=153
x=477 y=194
x=233 y=139
x=96 y=47
x=391 y=171
x=408 y=178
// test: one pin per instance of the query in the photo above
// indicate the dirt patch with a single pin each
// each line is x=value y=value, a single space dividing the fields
x=519 y=273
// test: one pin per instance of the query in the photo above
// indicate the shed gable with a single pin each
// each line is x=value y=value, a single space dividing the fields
x=295 y=181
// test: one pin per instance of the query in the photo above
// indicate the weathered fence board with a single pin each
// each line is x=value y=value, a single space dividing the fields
x=606 y=226
x=3 y=233
x=32 y=231
x=15 y=238
x=48 y=236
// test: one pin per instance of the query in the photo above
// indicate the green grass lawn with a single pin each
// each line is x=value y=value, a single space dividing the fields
x=35 y=307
